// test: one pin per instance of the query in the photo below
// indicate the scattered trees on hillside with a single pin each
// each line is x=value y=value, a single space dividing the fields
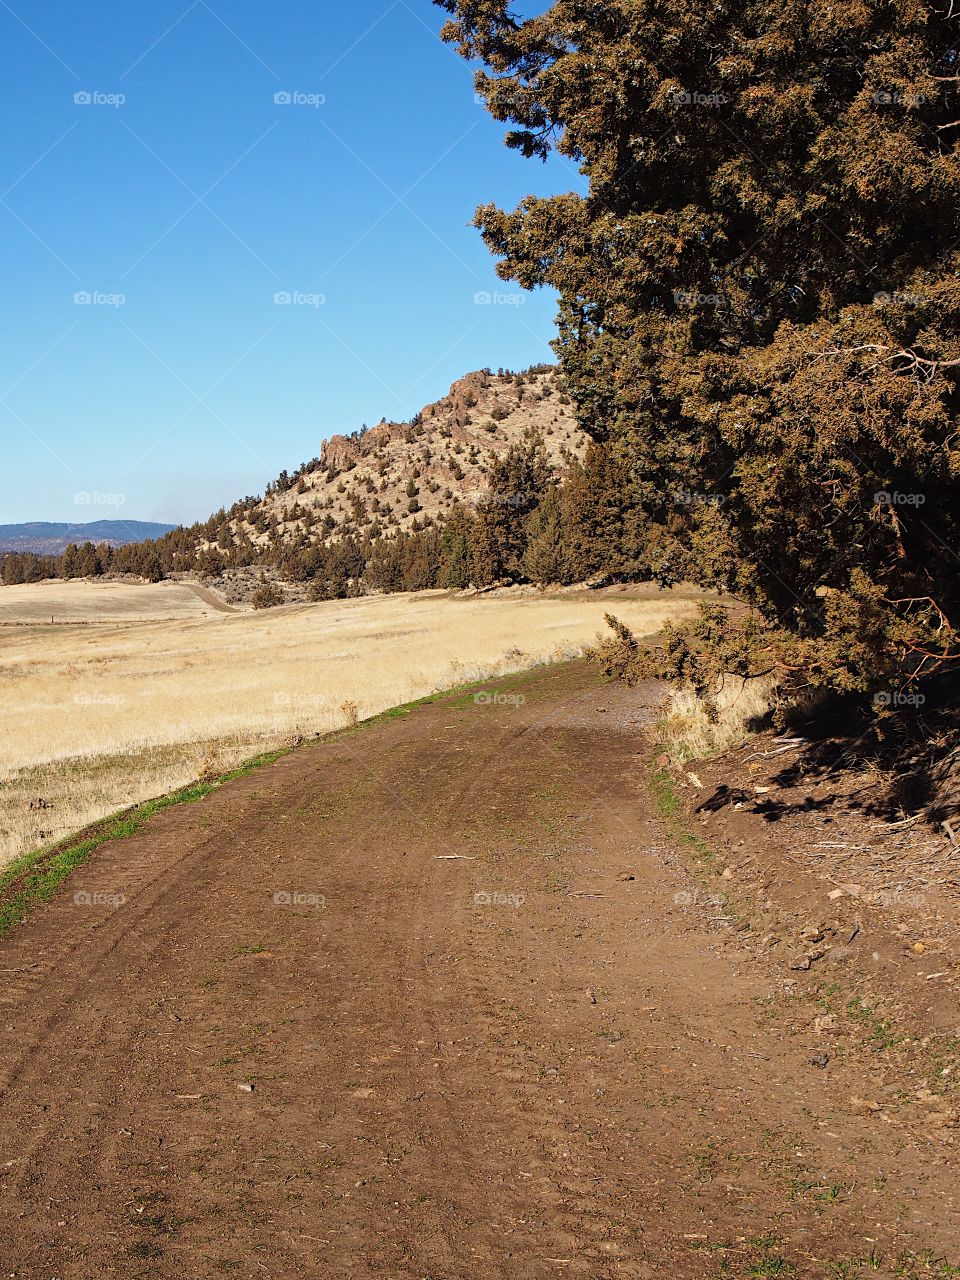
x=517 y=482
x=528 y=527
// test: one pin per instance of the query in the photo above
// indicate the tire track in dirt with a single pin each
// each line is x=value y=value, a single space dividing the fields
x=405 y=1082
x=154 y=878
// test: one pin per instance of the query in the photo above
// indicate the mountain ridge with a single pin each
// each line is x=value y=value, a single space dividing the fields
x=50 y=537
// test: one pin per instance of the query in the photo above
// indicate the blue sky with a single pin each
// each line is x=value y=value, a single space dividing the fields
x=145 y=165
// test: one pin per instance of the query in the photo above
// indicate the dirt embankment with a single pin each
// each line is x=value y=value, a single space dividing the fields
x=440 y=998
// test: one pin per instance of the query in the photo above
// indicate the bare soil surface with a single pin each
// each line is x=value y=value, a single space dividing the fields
x=817 y=860
x=446 y=998
x=209 y=597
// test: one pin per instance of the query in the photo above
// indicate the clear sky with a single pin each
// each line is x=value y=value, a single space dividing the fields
x=146 y=166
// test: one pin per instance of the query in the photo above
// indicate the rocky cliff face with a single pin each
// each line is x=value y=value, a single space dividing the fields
x=391 y=475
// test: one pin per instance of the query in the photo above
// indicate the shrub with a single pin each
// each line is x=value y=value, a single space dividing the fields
x=267 y=596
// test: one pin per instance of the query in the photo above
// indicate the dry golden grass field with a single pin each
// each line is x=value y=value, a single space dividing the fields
x=135 y=690
x=79 y=601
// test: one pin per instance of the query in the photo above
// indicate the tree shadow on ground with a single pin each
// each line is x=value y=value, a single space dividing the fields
x=902 y=762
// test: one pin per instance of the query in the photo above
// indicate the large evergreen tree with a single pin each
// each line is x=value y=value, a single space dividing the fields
x=517 y=482
x=454 y=571
x=543 y=559
x=759 y=296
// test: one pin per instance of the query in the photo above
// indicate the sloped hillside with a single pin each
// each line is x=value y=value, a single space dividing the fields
x=315 y=528
x=398 y=475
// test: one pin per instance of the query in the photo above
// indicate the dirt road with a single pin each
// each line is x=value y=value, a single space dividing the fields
x=434 y=1001
x=209 y=597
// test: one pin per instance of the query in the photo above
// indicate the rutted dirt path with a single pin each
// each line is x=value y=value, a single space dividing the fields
x=301 y=1045
x=209 y=597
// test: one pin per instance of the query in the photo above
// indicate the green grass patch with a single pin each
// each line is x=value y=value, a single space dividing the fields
x=670 y=808
x=35 y=877
x=458 y=697
x=878 y=1029
x=772 y=1267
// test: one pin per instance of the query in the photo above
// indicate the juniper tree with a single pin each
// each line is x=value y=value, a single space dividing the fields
x=604 y=532
x=543 y=559
x=759 y=296
x=517 y=481
x=454 y=570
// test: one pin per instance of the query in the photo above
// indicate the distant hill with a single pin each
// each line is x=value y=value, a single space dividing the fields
x=398 y=474
x=50 y=538
x=319 y=523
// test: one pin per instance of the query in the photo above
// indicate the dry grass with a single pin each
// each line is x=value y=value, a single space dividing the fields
x=98 y=602
x=688 y=734
x=93 y=718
